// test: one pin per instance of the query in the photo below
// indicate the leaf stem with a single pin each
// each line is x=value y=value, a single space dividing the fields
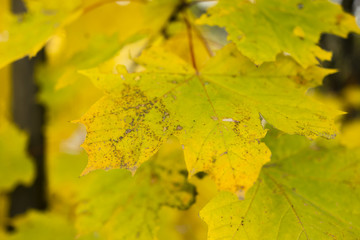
x=172 y=17
x=204 y=41
x=191 y=45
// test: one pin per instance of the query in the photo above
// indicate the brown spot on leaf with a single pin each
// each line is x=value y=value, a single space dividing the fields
x=179 y=127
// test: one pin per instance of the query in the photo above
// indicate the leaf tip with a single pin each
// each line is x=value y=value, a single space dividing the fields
x=133 y=170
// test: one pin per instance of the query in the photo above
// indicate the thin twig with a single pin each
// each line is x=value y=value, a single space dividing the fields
x=203 y=40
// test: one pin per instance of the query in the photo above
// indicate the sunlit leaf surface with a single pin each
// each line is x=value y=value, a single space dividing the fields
x=262 y=29
x=305 y=192
x=216 y=113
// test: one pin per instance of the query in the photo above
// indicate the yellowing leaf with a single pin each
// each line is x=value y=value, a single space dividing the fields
x=215 y=112
x=121 y=207
x=263 y=28
x=61 y=135
x=15 y=165
x=308 y=194
x=90 y=40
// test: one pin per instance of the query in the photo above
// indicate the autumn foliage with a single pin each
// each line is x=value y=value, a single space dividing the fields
x=201 y=122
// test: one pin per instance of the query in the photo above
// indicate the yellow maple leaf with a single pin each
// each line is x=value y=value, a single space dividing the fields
x=215 y=112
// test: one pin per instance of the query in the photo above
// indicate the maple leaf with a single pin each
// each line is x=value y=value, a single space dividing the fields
x=90 y=40
x=120 y=206
x=263 y=28
x=26 y=34
x=304 y=193
x=214 y=111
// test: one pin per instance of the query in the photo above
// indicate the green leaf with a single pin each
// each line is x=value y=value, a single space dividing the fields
x=15 y=165
x=262 y=29
x=214 y=111
x=42 y=226
x=27 y=34
x=99 y=49
x=304 y=193
x=119 y=206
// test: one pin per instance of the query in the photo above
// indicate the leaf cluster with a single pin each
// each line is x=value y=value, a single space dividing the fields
x=187 y=111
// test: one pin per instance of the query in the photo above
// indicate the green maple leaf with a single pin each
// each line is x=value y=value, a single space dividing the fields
x=304 y=193
x=215 y=112
x=263 y=28
x=119 y=206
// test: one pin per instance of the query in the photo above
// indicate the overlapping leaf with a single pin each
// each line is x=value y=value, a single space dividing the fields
x=41 y=226
x=182 y=225
x=118 y=206
x=304 y=193
x=26 y=34
x=91 y=40
x=215 y=112
x=15 y=166
x=114 y=204
x=263 y=28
